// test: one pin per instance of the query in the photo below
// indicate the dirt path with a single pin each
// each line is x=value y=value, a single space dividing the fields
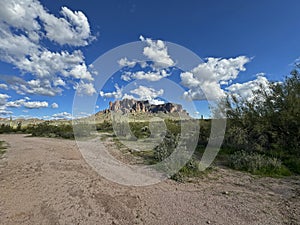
x=46 y=181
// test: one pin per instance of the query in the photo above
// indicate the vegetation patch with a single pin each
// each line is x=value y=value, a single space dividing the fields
x=2 y=148
x=257 y=164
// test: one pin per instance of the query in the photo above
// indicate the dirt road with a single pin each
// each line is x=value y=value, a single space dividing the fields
x=46 y=181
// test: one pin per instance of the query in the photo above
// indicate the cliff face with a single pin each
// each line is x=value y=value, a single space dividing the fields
x=134 y=106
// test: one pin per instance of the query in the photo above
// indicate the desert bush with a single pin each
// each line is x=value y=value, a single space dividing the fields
x=166 y=147
x=140 y=129
x=105 y=126
x=83 y=130
x=6 y=128
x=257 y=164
x=270 y=122
x=190 y=169
x=204 y=133
x=293 y=164
x=173 y=126
x=2 y=148
x=46 y=129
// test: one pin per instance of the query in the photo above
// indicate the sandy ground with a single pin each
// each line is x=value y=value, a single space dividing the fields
x=46 y=181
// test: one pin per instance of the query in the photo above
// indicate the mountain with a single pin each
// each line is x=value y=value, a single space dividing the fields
x=136 y=110
x=135 y=106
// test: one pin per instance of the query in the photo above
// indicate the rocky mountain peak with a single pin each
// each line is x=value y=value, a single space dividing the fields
x=136 y=106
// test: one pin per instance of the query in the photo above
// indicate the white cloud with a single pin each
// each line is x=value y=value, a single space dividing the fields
x=26 y=103
x=125 y=62
x=3 y=99
x=114 y=94
x=35 y=105
x=142 y=75
x=245 y=90
x=47 y=64
x=36 y=87
x=25 y=27
x=4 y=112
x=3 y=86
x=157 y=52
x=205 y=80
x=147 y=93
x=156 y=102
x=72 y=28
x=141 y=93
x=80 y=72
x=62 y=115
x=16 y=103
x=59 y=82
x=127 y=96
x=83 y=88
x=54 y=105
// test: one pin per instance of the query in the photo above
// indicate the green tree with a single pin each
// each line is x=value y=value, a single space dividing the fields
x=270 y=122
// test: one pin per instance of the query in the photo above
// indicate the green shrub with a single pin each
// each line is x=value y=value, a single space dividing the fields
x=257 y=164
x=106 y=126
x=2 y=148
x=173 y=126
x=293 y=164
x=166 y=147
x=46 y=129
x=6 y=128
x=140 y=129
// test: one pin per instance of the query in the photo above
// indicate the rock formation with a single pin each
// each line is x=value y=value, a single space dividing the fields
x=135 y=106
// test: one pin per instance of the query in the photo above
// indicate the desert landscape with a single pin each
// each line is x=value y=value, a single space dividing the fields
x=127 y=112
x=46 y=181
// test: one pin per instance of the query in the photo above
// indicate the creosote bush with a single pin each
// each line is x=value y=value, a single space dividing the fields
x=166 y=147
x=257 y=164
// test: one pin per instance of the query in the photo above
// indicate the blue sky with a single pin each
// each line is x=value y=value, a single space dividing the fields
x=43 y=60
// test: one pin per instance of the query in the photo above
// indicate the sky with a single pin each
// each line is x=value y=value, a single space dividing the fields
x=52 y=53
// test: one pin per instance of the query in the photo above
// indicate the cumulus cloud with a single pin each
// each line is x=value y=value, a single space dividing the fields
x=59 y=82
x=156 y=102
x=5 y=112
x=62 y=115
x=54 y=105
x=125 y=62
x=46 y=64
x=141 y=93
x=205 y=80
x=72 y=28
x=142 y=75
x=25 y=103
x=115 y=94
x=16 y=104
x=25 y=26
x=83 y=88
x=35 y=105
x=3 y=86
x=245 y=90
x=36 y=86
x=157 y=52
x=3 y=99
x=128 y=96
x=147 y=93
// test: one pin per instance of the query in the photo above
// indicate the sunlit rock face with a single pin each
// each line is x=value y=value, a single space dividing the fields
x=135 y=106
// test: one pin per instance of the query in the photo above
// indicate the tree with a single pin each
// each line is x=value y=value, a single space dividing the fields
x=270 y=122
